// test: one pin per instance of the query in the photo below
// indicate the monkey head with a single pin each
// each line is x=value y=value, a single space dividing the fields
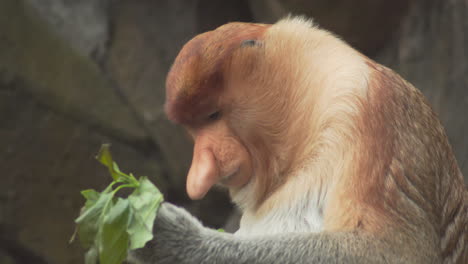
x=197 y=98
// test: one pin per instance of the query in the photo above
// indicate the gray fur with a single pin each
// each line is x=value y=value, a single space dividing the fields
x=180 y=238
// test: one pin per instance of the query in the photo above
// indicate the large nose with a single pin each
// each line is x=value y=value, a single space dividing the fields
x=204 y=171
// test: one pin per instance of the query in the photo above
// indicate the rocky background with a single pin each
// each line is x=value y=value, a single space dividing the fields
x=78 y=73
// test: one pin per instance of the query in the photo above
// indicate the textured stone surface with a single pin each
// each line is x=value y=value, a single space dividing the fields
x=46 y=160
x=366 y=25
x=60 y=77
x=147 y=37
x=84 y=24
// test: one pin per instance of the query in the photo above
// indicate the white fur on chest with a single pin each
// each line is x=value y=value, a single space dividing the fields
x=303 y=216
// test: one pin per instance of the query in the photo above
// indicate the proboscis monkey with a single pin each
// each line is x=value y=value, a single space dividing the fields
x=332 y=157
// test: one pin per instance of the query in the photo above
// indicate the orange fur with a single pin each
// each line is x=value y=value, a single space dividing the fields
x=197 y=74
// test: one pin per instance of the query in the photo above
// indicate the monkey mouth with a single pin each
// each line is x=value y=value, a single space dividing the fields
x=226 y=180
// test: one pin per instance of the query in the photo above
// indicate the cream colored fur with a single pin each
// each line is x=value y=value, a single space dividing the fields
x=330 y=79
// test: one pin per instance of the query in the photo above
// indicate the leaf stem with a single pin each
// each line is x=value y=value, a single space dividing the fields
x=124 y=186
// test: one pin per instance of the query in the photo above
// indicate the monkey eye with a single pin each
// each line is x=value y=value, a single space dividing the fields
x=214 y=116
x=249 y=43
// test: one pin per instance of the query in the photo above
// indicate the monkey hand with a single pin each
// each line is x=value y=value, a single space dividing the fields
x=177 y=235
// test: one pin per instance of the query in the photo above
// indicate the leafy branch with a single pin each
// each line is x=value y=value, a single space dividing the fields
x=109 y=226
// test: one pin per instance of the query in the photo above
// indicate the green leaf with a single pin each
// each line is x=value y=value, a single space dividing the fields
x=144 y=201
x=113 y=244
x=108 y=230
x=104 y=156
x=91 y=257
x=91 y=197
x=90 y=220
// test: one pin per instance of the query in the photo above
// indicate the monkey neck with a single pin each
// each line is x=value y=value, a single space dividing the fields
x=311 y=140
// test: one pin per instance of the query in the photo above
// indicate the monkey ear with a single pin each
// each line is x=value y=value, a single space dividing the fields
x=250 y=43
